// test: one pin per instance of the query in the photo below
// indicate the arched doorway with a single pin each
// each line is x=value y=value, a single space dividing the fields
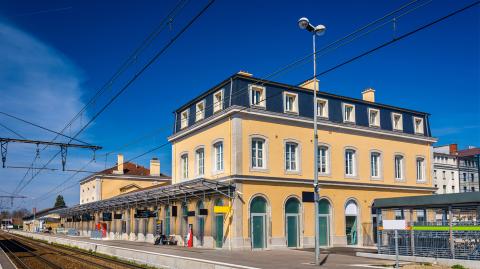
x=351 y=219
x=167 y=220
x=258 y=222
x=292 y=222
x=219 y=218
x=184 y=221
x=200 y=223
x=324 y=218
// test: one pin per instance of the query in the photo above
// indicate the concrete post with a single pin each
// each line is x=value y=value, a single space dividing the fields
x=111 y=226
x=118 y=227
x=133 y=227
x=126 y=218
x=141 y=229
x=150 y=228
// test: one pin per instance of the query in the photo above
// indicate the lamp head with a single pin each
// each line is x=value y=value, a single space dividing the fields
x=320 y=29
x=303 y=23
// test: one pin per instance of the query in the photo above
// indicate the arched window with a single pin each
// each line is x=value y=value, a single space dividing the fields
x=351 y=219
x=350 y=162
x=292 y=222
x=200 y=162
x=324 y=218
x=184 y=166
x=218 y=156
x=323 y=159
x=399 y=167
x=258 y=219
x=420 y=169
x=258 y=153
x=375 y=164
x=291 y=157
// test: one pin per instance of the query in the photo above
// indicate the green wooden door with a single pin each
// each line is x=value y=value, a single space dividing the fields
x=323 y=230
x=258 y=231
x=292 y=231
x=219 y=230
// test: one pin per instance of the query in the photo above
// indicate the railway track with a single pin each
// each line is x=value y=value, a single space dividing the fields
x=27 y=253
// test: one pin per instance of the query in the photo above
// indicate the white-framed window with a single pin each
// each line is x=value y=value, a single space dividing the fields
x=399 y=167
x=258 y=153
x=374 y=117
x=375 y=164
x=257 y=95
x=420 y=169
x=200 y=161
x=218 y=156
x=291 y=157
x=350 y=162
x=290 y=102
x=200 y=110
x=418 y=125
x=322 y=108
x=348 y=113
x=184 y=166
x=184 y=119
x=397 y=121
x=323 y=159
x=218 y=101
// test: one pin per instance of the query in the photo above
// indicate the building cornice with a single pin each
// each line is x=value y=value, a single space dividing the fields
x=121 y=177
x=329 y=183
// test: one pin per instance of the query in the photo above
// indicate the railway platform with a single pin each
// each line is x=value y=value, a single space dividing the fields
x=181 y=257
x=5 y=262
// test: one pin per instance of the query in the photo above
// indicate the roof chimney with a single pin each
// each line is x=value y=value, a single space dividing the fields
x=452 y=148
x=119 y=170
x=154 y=167
x=309 y=84
x=244 y=73
x=368 y=95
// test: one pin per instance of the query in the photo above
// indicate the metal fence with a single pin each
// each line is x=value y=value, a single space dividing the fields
x=452 y=233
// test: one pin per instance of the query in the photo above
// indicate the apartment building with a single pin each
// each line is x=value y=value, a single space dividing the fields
x=445 y=169
x=456 y=170
x=258 y=136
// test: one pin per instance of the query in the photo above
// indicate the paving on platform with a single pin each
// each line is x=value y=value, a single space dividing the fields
x=285 y=258
x=5 y=262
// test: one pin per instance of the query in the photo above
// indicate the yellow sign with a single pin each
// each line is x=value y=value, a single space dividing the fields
x=221 y=209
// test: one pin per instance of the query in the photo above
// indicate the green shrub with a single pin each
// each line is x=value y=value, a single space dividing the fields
x=458 y=266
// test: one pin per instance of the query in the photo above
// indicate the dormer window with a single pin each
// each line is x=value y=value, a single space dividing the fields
x=218 y=101
x=200 y=111
x=322 y=108
x=397 y=122
x=348 y=113
x=290 y=101
x=418 y=125
x=257 y=96
x=184 y=119
x=374 y=117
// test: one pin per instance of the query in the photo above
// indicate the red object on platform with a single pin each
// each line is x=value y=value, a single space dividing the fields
x=190 y=238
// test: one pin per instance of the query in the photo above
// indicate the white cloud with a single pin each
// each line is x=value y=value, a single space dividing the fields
x=40 y=84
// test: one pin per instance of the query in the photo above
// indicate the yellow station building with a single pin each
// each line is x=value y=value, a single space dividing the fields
x=242 y=169
x=258 y=135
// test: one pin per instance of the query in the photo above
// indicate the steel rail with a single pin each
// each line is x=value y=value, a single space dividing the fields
x=81 y=252
x=35 y=255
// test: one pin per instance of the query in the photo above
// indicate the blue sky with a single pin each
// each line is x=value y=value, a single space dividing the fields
x=55 y=54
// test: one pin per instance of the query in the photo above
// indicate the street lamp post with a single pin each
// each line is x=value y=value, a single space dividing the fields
x=304 y=23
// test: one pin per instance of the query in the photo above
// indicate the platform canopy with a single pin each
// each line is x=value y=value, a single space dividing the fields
x=156 y=196
x=436 y=200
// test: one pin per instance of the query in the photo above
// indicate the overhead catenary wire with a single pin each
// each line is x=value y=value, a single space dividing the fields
x=133 y=79
x=127 y=63
x=262 y=81
x=401 y=37
x=12 y=131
